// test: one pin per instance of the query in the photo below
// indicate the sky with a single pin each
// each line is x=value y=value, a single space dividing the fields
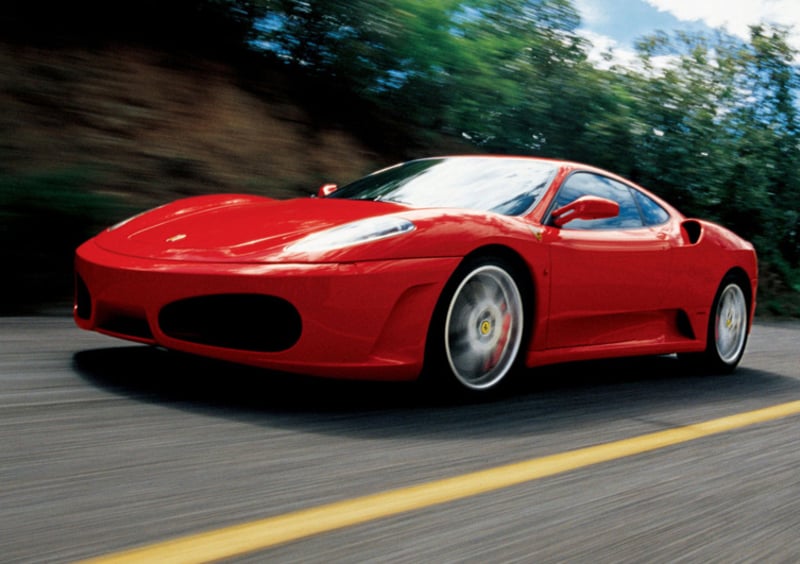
x=617 y=23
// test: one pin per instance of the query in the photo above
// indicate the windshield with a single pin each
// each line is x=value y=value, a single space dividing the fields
x=510 y=186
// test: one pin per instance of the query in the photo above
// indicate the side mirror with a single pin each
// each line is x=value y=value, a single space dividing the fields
x=585 y=207
x=326 y=190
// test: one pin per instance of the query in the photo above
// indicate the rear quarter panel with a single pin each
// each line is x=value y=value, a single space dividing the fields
x=700 y=266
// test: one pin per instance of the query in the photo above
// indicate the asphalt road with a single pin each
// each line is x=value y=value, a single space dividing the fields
x=106 y=445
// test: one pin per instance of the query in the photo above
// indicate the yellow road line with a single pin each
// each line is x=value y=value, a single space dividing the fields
x=265 y=533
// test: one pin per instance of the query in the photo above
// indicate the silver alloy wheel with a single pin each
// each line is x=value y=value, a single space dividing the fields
x=483 y=327
x=730 y=329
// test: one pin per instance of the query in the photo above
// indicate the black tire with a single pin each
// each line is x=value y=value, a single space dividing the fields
x=477 y=329
x=728 y=324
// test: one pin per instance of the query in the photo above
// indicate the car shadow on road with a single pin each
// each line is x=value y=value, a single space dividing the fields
x=536 y=399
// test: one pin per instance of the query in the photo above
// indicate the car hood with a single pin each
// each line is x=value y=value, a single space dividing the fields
x=232 y=228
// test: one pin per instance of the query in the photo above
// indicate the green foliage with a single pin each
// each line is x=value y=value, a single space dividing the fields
x=43 y=218
x=61 y=191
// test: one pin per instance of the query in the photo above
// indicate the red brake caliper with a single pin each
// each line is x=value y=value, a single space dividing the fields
x=492 y=361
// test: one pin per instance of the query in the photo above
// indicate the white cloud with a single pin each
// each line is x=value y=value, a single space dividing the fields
x=602 y=45
x=591 y=13
x=735 y=16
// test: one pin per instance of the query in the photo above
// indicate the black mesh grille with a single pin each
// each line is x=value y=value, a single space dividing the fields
x=237 y=321
x=126 y=325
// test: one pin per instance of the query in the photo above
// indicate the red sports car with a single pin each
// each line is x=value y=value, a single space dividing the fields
x=459 y=268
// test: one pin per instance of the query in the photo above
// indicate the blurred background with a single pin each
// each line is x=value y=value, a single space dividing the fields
x=109 y=108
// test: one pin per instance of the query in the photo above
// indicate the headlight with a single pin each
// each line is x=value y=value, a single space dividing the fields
x=355 y=233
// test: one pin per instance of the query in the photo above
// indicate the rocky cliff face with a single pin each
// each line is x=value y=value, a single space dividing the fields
x=151 y=126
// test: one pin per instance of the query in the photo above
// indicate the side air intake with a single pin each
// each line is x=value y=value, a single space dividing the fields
x=691 y=231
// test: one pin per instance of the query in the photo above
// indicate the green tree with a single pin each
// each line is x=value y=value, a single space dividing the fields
x=771 y=131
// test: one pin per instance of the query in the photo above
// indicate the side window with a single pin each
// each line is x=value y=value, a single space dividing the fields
x=653 y=213
x=588 y=184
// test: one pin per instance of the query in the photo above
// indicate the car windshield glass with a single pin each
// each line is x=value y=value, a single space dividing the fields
x=510 y=186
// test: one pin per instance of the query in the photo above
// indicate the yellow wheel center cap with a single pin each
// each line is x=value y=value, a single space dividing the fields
x=486 y=327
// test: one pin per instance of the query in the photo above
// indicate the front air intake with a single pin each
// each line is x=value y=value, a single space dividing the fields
x=251 y=322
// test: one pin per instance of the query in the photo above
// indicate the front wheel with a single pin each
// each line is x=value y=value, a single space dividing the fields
x=477 y=333
x=728 y=325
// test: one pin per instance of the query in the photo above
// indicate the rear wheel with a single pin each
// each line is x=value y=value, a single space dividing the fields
x=728 y=324
x=475 y=336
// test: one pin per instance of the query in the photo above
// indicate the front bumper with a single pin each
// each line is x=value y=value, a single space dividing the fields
x=365 y=320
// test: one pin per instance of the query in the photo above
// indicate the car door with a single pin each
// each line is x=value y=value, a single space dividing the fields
x=607 y=276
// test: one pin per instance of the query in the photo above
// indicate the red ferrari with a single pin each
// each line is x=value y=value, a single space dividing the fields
x=459 y=268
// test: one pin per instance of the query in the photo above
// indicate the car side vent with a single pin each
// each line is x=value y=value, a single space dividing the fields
x=691 y=231
x=684 y=325
x=249 y=322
